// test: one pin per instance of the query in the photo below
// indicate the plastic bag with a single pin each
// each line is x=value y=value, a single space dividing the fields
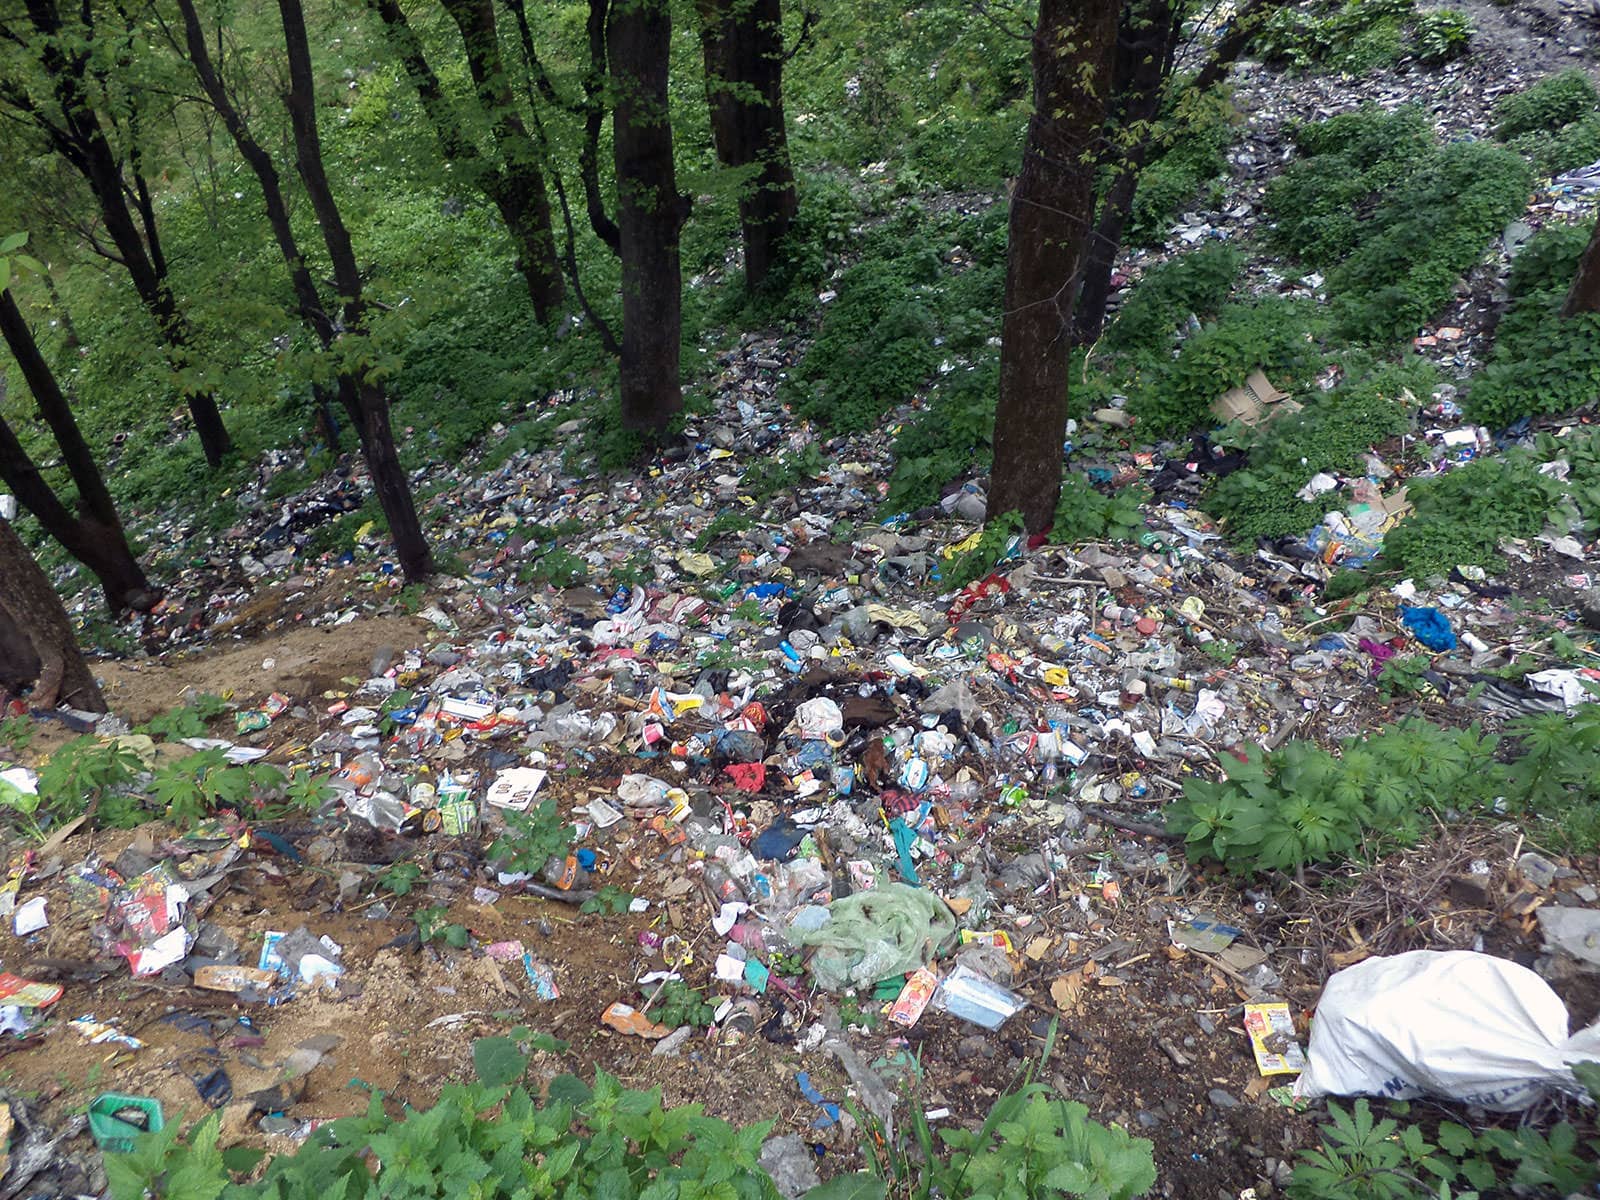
x=1456 y=1024
x=872 y=935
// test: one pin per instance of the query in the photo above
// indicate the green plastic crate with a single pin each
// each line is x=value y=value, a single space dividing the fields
x=114 y=1135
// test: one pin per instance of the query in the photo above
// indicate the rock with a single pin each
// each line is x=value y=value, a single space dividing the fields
x=790 y=1163
x=1222 y=1099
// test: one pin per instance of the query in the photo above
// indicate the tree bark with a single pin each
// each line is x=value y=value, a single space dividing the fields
x=30 y=606
x=94 y=535
x=1052 y=205
x=516 y=185
x=1146 y=38
x=80 y=139
x=1246 y=22
x=742 y=42
x=594 y=114
x=650 y=213
x=365 y=401
x=313 y=313
x=1584 y=294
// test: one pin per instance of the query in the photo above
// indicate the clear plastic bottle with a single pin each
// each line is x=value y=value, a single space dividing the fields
x=722 y=884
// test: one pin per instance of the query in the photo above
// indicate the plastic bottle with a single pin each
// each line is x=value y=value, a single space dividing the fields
x=564 y=873
x=722 y=884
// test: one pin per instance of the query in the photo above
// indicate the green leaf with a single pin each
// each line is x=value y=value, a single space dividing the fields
x=241 y=1160
x=498 y=1061
x=13 y=241
x=859 y=1185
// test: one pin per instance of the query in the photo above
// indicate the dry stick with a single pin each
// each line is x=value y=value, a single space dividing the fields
x=1128 y=826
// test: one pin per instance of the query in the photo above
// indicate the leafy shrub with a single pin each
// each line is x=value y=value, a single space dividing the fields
x=1197 y=282
x=1554 y=101
x=950 y=437
x=1301 y=805
x=1192 y=141
x=531 y=839
x=1332 y=433
x=1566 y=149
x=82 y=771
x=1366 y=1159
x=1424 y=235
x=1461 y=516
x=878 y=343
x=192 y=788
x=189 y=721
x=1085 y=514
x=1271 y=333
x=606 y=1140
x=1441 y=35
x=621 y=1143
x=1541 y=362
x=1320 y=200
x=1361 y=36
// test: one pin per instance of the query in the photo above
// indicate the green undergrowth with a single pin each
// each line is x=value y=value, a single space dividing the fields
x=900 y=312
x=498 y=1138
x=1546 y=106
x=1171 y=395
x=1302 y=805
x=1333 y=433
x=949 y=438
x=1555 y=123
x=1363 y=1157
x=1357 y=37
x=1190 y=155
x=1084 y=513
x=1461 y=516
x=1197 y=282
x=1541 y=363
x=1393 y=219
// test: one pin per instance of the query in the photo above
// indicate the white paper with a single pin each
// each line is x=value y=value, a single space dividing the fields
x=161 y=953
x=515 y=788
x=725 y=920
x=30 y=917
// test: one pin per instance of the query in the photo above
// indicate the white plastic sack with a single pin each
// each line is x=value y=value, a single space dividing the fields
x=1459 y=1025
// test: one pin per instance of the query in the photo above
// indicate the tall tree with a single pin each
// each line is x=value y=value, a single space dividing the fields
x=1052 y=208
x=514 y=182
x=363 y=398
x=742 y=43
x=650 y=211
x=104 y=149
x=94 y=534
x=31 y=610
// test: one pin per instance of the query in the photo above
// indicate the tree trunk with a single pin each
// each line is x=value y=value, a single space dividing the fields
x=1146 y=39
x=364 y=400
x=594 y=113
x=517 y=188
x=94 y=499
x=1052 y=205
x=313 y=313
x=1584 y=295
x=1246 y=23
x=650 y=213
x=99 y=544
x=30 y=605
x=81 y=141
x=742 y=41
